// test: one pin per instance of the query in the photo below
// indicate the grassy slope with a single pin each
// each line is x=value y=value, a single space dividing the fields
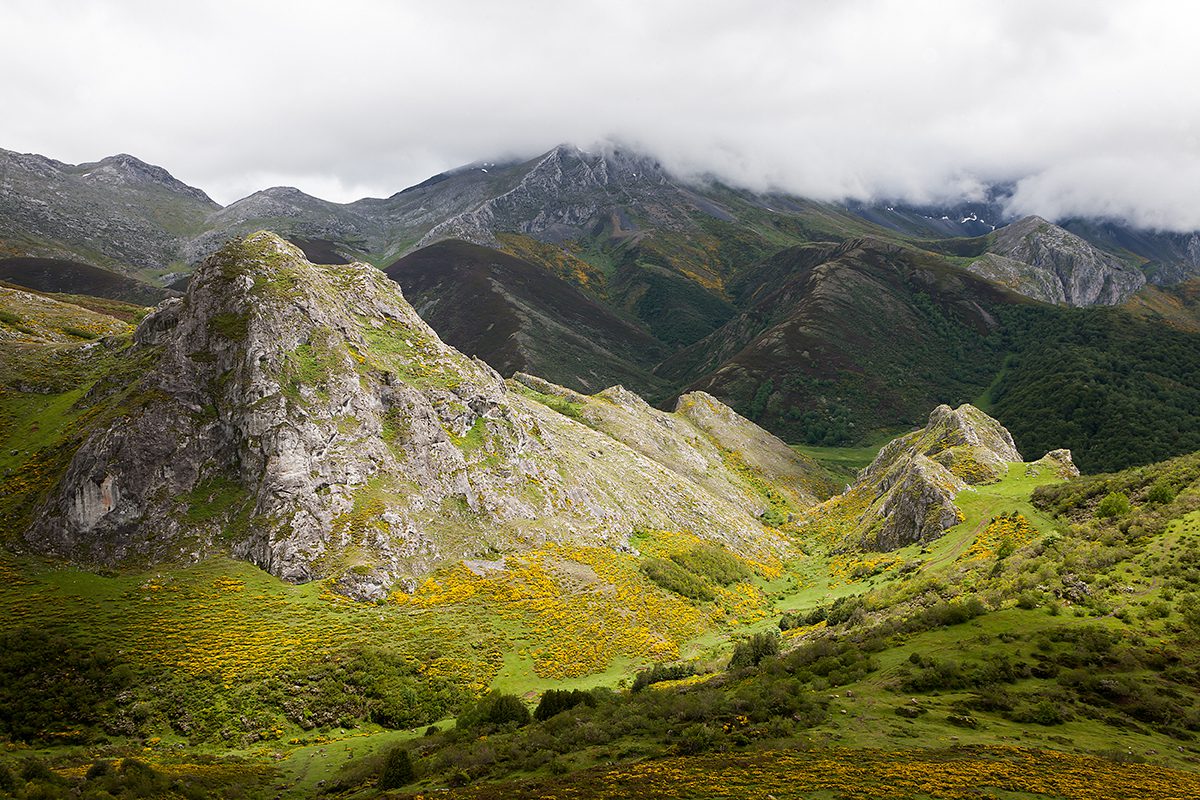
x=226 y=626
x=862 y=711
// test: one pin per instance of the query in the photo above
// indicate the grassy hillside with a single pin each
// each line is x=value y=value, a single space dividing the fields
x=1042 y=642
x=1018 y=633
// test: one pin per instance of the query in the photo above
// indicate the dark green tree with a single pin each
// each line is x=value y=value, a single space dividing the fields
x=397 y=769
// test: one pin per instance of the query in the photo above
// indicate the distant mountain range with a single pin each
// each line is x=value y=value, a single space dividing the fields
x=123 y=213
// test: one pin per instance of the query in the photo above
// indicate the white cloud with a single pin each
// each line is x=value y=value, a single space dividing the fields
x=1086 y=105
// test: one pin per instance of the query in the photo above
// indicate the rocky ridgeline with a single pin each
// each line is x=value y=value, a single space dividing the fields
x=1040 y=260
x=910 y=487
x=119 y=212
x=306 y=419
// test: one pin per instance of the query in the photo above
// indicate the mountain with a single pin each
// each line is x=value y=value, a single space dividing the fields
x=839 y=341
x=1043 y=261
x=304 y=418
x=119 y=213
x=674 y=594
x=291 y=213
x=1166 y=258
x=690 y=285
x=591 y=210
x=841 y=344
x=518 y=318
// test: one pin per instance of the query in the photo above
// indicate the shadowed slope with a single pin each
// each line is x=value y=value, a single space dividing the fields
x=520 y=318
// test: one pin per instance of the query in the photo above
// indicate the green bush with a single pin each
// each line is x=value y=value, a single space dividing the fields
x=496 y=710
x=397 y=770
x=660 y=673
x=714 y=563
x=697 y=738
x=1114 y=504
x=1160 y=492
x=953 y=612
x=48 y=683
x=367 y=684
x=749 y=652
x=1040 y=712
x=556 y=701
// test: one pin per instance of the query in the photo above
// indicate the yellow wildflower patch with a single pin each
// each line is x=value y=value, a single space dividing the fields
x=1005 y=532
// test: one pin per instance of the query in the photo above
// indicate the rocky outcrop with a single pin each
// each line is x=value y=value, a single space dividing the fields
x=1041 y=260
x=1057 y=462
x=305 y=418
x=909 y=488
x=915 y=503
x=704 y=442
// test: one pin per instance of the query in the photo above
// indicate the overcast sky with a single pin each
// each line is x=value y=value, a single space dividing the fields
x=1091 y=107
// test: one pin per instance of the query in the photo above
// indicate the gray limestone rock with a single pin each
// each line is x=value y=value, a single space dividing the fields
x=911 y=485
x=1041 y=260
x=305 y=418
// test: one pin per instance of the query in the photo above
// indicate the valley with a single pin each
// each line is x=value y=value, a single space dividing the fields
x=588 y=505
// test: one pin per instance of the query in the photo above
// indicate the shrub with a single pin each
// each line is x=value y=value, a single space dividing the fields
x=556 y=701
x=496 y=710
x=659 y=673
x=34 y=770
x=1029 y=600
x=1114 y=504
x=1042 y=712
x=713 y=563
x=1160 y=492
x=749 y=652
x=798 y=619
x=696 y=738
x=51 y=683
x=954 y=612
x=397 y=769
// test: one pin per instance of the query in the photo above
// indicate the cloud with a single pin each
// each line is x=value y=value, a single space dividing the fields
x=1085 y=106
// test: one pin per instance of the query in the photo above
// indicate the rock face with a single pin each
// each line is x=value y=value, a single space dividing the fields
x=703 y=441
x=306 y=419
x=911 y=485
x=1040 y=260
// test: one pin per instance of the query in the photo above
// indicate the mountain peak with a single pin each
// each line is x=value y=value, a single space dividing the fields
x=1039 y=259
x=123 y=169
